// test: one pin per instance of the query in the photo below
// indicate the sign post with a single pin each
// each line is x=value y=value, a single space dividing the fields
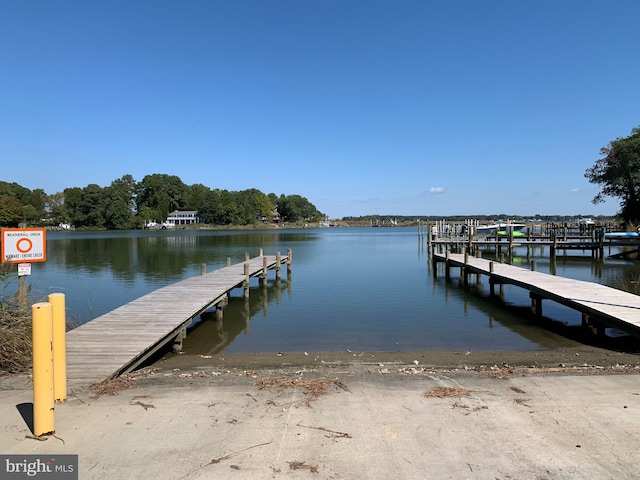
x=23 y=246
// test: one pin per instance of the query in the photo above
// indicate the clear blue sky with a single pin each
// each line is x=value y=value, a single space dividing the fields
x=411 y=107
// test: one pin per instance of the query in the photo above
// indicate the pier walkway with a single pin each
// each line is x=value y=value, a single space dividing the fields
x=119 y=341
x=595 y=248
x=601 y=306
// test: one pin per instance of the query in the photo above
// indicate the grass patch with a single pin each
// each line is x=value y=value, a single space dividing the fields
x=15 y=326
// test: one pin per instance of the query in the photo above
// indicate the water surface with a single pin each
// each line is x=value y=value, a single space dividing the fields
x=362 y=289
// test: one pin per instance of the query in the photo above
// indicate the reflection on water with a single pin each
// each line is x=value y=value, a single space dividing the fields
x=213 y=333
x=355 y=288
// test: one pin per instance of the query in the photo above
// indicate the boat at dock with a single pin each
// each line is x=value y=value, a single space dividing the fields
x=502 y=229
x=621 y=235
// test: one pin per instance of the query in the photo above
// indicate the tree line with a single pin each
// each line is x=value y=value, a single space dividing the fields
x=127 y=204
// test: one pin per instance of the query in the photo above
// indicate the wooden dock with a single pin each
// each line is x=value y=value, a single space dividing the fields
x=601 y=306
x=121 y=340
x=596 y=245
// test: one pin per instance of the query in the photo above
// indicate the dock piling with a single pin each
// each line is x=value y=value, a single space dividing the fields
x=278 y=267
x=245 y=283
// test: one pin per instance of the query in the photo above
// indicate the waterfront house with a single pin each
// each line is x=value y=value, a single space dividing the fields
x=183 y=217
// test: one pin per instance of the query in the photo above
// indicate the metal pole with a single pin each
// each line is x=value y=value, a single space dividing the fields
x=43 y=401
x=57 y=300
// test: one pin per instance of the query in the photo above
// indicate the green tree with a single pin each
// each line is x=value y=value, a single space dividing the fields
x=294 y=208
x=73 y=206
x=253 y=205
x=118 y=215
x=618 y=174
x=15 y=190
x=162 y=194
x=120 y=203
x=31 y=214
x=56 y=209
x=273 y=198
x=38 y=200
x=196 y=196
x=219 y=208
x=11 y=211
x=86 y=206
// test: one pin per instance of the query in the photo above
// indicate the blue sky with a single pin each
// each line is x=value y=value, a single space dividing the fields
x=364 y=107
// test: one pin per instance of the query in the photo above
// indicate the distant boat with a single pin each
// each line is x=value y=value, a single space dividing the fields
x=621 y=235
x=502 y=229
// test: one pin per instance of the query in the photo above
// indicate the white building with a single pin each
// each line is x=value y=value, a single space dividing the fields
x=183 y=217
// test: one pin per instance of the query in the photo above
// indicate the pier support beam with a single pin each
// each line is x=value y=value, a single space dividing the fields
x=245 y=283
x=536 y=304
x=263 y=274
x=220 y=307
x=464 y=270
x=177 y=342
x=596 y=327
x=447 y=267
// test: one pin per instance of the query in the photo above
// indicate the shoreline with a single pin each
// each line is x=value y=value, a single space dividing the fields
x=568 y=357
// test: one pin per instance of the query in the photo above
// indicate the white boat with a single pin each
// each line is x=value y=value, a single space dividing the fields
x=502 y=229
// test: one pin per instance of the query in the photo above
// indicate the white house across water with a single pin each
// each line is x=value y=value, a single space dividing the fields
x=183 y=217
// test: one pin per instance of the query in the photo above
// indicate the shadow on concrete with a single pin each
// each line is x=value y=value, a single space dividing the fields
x=26 y=410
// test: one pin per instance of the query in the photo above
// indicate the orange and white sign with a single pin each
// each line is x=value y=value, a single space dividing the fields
x=24 y=245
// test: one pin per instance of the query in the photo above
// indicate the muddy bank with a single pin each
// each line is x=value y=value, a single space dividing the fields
x=579 y=356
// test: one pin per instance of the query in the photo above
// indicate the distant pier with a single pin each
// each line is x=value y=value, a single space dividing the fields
x=463 y=238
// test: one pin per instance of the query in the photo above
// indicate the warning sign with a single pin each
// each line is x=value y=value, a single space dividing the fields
x=24 y=245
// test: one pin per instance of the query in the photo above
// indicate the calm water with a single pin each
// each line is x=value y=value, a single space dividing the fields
x=351 y=288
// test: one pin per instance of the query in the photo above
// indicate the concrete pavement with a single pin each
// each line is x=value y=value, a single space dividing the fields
x=373 y=422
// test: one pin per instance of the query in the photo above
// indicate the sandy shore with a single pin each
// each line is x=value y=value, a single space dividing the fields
x=576 y=356
x=565 y=414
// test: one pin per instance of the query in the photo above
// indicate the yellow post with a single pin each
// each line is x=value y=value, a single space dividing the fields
x=43 y=402
x=57 y=300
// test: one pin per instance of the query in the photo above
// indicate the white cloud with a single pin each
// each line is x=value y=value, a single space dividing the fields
x=437 y=190
x=574 y=190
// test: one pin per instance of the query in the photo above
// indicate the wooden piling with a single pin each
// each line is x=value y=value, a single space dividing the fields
x=447 y=271
x=278 y=268
x=263 y=275
x=245 y=283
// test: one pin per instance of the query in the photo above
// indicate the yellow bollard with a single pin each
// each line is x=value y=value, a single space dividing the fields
x=57 y=300
x=43 y=403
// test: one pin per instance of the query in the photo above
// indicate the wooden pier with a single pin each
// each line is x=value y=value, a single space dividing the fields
x=121 y=340
x=601 y=306
x=461 y=238
x=596 y=248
